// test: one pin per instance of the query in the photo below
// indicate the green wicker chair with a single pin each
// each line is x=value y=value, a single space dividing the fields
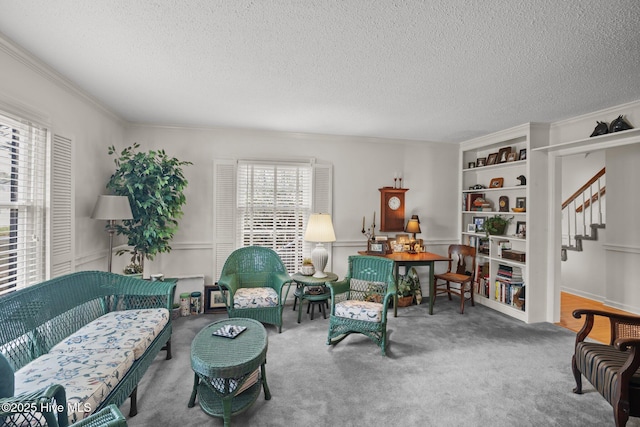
x=359 y=302
x=255 y=268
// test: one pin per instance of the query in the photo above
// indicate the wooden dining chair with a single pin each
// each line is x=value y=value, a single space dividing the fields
x=462 y=267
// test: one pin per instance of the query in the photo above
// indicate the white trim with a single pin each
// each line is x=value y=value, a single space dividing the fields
x=41 y=68
x=596 y=115
x=622 y=248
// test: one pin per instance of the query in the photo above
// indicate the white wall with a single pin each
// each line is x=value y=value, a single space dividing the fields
x=26 y=88
x=360 y=166
x=582 y=273
x=608 y=273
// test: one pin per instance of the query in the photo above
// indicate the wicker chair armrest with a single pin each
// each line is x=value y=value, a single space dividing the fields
x=337 y=288
x=279 y=280
x=231 y=284
x=616 y=322
x=109 y=416
x=39 y=401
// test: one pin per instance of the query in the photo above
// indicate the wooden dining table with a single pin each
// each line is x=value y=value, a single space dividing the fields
x=407 y=260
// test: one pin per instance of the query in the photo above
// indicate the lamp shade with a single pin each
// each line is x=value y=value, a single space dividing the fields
x=413 y=226
x=112 y=208
x=320 y=228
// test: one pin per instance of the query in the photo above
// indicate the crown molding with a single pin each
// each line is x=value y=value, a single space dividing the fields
x=44 y=70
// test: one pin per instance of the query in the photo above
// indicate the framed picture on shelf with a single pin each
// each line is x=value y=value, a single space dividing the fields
x=481 y=161
x=521 y=229
x=471 y=165
x=478 y=221
x=214 y=299
x=523 y=154
x=512 y=157
x=521 y=202
x=491 y=160
x=503 y=154
x=496 y=183
x=471 y=228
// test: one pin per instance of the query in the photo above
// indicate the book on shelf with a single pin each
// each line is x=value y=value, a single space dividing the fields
x=510 y=293
x=470 y=198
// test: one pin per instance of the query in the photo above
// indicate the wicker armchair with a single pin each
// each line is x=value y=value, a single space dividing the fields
x=255 y=277
x=612 y=369
x=359 y=302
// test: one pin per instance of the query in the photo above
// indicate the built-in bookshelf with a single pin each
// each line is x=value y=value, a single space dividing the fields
x=497 y=173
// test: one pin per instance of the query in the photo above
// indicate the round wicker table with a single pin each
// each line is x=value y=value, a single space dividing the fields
x=321 y=297
x=222 y=366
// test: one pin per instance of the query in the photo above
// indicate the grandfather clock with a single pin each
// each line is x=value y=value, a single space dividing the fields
x=392 y=208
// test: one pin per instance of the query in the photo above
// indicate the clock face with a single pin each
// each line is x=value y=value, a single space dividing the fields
x=394 y=203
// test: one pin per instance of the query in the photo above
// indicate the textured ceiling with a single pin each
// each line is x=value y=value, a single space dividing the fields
x=438 y=70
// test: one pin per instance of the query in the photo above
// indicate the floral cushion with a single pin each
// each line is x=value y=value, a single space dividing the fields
x=128 y=329
x=359 y=310
x=255 y=297
x=87 y=376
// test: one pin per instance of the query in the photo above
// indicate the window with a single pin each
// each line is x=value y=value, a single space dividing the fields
x=23 y=171
x=273 y=206
x=267 y=203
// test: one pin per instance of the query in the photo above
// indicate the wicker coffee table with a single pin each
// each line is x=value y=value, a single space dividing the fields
x=222 y=366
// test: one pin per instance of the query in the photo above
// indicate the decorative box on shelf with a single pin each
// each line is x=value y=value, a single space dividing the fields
x=514 y=255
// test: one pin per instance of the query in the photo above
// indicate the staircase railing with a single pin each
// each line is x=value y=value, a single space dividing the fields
x=579 y=210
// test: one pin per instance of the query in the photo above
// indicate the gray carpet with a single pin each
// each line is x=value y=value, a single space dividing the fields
x=477 y=369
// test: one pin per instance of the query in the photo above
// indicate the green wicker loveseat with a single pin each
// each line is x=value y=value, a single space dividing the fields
x=359 y=302
x=612 y=369
x=52 y=356
x=255 y=278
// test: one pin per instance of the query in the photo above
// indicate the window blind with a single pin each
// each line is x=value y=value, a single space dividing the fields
x=23 y=171
x=274 y=201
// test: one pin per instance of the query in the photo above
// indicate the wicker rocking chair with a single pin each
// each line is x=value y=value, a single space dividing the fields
x=359 y=302
x=255 y=277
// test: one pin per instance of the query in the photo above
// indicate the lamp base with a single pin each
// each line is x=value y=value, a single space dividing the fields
x=319 y=257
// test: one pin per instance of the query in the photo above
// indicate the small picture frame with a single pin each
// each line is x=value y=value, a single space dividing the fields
x=214 y=299
x=521 y=202
x=471 y=228
x=481 y=161
x=512 y=157
x=491 y=160
x=471 y=165
x=521 y=228
x=381 y=247
x=496 y=183
x=478 y=221
x=503 y=154
x=523 y=154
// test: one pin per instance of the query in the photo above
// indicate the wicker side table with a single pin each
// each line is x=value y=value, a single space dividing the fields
x=303 y=282
x=222 y=365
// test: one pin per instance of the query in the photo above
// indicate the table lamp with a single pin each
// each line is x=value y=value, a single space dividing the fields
x=413 y=226
x=319 y=230
x=111 y=209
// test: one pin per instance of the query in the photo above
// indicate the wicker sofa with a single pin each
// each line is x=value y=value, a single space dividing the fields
x=78 y=344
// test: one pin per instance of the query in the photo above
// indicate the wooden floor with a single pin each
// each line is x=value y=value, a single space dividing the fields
x=601 y=329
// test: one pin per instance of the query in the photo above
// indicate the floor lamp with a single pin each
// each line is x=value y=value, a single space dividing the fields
x=112 y=209
x=319 y=230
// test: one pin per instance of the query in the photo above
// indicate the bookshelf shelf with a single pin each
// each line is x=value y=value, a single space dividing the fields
x=514 y=283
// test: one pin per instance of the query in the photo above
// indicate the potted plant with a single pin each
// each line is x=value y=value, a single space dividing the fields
x=496 y=225
x=307 y=267
x=154 y=184
x=405 y=291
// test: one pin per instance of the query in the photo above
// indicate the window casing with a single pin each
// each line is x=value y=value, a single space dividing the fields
x=23 y=203
x=267 y=203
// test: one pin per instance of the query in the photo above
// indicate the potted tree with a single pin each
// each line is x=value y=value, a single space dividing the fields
x=154 y=184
